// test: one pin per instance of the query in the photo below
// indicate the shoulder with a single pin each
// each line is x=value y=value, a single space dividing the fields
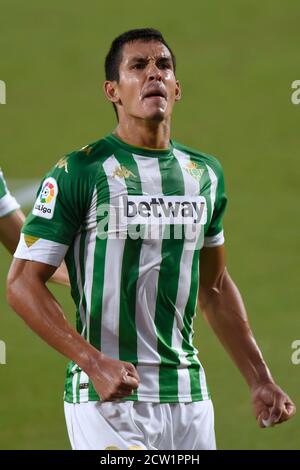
x=82 y=163
x=201 y=157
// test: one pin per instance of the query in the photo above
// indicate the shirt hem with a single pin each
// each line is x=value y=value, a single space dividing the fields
x=143 y=398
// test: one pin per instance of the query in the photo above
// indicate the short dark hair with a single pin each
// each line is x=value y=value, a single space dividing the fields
x=114 y=56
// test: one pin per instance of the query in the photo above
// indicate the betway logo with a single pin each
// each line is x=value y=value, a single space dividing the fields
x=164 y=209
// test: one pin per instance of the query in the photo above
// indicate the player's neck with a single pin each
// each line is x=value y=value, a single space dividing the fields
x=144 y=134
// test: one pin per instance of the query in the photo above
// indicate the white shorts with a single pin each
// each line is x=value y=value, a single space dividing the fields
x=134 y=425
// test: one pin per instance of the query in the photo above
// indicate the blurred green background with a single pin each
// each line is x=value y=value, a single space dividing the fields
x=236 y=61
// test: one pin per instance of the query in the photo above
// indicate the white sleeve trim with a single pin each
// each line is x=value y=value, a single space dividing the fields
x=8 y=204
x=215 y=240
x=41 y=250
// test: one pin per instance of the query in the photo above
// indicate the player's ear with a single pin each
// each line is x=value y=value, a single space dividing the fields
x=177 y=91
x=110 y=90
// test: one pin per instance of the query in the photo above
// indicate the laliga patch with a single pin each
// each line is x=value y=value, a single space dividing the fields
x=45 y=203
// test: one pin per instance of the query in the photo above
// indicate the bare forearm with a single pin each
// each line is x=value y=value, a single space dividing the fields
x=10 y=227
x=61 y=276
x=224 y=310
x=35 y=304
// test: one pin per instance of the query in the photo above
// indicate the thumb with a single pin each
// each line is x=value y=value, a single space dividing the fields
x=277 y=408
x=131 y=370
x=129 y=380
x=264 y=419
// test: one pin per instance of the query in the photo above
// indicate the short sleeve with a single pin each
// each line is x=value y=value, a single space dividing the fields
x=57 y=214
x=215 y=232
x=7 y=202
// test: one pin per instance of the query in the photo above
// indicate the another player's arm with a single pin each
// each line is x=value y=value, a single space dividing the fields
x=10 y=228
x=29 y=296
x=61 y=276
x=223 y=307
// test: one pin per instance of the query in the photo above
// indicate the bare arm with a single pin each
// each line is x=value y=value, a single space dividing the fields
x=10 y=228
x=223 y=307
x=61 y=276
x=29 y=297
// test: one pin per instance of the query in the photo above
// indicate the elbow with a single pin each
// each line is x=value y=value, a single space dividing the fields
x=212 y=292
x=203 y=299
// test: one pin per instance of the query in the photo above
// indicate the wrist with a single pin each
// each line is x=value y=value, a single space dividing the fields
x=261 y=376
x=90 y=360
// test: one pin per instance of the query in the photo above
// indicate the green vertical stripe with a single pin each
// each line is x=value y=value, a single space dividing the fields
x=71 y=265
x=172 y=183
x=82 y=246
x=77 y=386
x=206 y=192
x=2 y=186
x=130 y=272
x=103 y=198
x=68 y=382
x=194 y=369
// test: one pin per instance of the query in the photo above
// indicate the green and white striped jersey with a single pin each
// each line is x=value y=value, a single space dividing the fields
x=7 y=202
x=130 y=223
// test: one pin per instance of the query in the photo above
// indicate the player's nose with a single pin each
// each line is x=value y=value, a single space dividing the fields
x=153 y=73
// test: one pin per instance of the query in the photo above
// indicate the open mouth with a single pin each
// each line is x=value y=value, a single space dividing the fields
x=155 y=94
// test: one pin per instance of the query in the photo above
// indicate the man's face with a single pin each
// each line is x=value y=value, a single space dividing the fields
x=147 y=87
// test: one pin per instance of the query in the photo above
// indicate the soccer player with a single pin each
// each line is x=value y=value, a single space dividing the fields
x=11 y=222
x=134 y=215
x=11 y=217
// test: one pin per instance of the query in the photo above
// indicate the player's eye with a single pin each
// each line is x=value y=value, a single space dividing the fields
x=138 y=66
x=164 y=65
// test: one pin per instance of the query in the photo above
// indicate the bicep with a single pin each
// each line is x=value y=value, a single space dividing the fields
x=10 y=228
x=30 y=271
x=212 y=265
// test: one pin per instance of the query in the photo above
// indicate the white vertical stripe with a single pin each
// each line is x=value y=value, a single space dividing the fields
x=79 y=282
x=213 y=188
x=191 y=185
x=84 y=392
x=150 y=261
x=203 y=383
x=89 y=271
x=74 y=382
x=91 y=216
x=90 y=244
x=113 y=269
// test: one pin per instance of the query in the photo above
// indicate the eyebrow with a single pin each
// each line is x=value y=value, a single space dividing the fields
x=145 y=59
